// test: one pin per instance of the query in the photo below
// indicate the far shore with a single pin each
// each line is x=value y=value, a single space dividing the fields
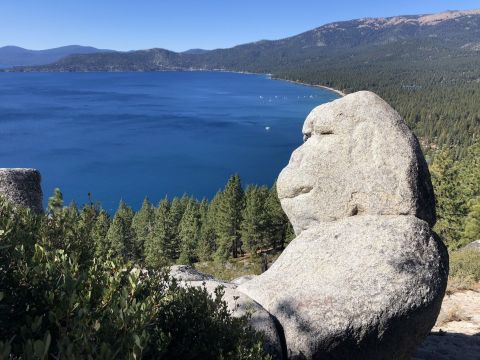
x=271 y=76
x=341 y=93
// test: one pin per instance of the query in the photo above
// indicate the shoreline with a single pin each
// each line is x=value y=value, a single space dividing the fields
x=270 y=76
x=339 y=92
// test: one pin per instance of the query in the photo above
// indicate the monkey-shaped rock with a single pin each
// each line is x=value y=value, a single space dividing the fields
x=365 y=276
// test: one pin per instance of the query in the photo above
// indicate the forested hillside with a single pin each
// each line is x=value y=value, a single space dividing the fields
x=438 y=98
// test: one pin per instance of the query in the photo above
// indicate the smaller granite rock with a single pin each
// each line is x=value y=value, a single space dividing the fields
x=187 y=273
x=474 y=245
x=243 y=279
x=238 y=303
x=22 y=187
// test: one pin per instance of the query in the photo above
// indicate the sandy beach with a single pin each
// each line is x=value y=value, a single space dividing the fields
x=341 y=93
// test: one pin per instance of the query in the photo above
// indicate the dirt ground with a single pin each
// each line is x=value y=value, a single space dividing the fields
x=456 y=335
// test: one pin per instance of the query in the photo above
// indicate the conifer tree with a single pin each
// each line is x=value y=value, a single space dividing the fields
x=208 y=237
x=185 y=200
x=450 y=205
x=99 y=235
x=229 y=218
x=189 y=233
x=120 y=235
x=55 y=202
x=255 y=221
x=203 y=210
x=156 y=246
x=175 y=214
x=469 y=178
x=469 y=172
x=472 y=222
x=142 y=225
x=86 y=220
x=279 y=225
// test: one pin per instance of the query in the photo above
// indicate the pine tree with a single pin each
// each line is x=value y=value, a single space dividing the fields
x=99 y=235
x=175 y=214
x=156 y=246
x=208 y=237
x=189 y=233
x=185 y=200
x=450 y=204
x=469 y=178
x=228 y=220
x=55 y=202
x=472 y=222
x=120 y=235
x=469 y=172
x=85 y=224
x=203 y=210
x=255 y=221
x=279 y=225
x=142 y=225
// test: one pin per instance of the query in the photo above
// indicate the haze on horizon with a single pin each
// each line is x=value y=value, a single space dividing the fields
x=125 y=25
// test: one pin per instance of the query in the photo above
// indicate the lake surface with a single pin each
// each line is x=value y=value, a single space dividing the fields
x=131 y=135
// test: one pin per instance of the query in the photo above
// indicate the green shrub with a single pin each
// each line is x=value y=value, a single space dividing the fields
x=465 y=263
x=464 y=270
x=58 y=301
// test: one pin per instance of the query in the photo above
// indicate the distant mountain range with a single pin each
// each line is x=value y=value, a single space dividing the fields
x=17 y=56
x=416 y=35
x=196 y=51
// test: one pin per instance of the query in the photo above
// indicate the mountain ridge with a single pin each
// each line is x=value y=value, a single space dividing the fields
x=335 y=36
x=12 y=55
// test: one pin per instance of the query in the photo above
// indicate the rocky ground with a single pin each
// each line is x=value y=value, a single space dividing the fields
x=457 y=332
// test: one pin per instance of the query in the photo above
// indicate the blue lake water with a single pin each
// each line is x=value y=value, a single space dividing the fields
x=131 y=135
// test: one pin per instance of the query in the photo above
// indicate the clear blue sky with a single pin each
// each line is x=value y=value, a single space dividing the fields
x=184 y=24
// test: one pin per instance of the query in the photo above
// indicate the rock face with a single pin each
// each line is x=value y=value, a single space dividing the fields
x=22 y=187
x=360 y=158
x=238 y=303
x=365 y=277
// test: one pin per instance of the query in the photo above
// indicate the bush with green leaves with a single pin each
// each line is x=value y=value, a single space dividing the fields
x=465 y=263
x=58 y=301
